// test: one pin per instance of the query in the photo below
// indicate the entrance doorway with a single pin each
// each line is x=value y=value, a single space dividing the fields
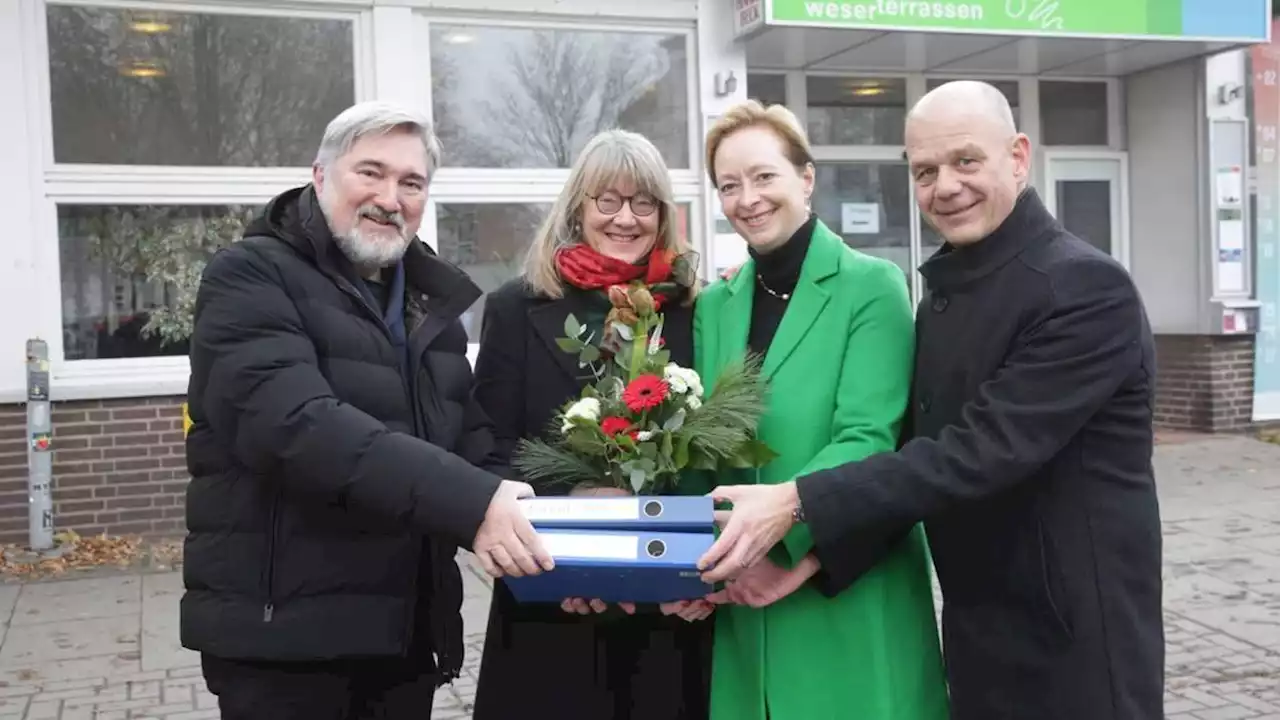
x=1088 y=193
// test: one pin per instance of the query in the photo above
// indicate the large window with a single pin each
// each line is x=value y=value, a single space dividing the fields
x=512 y=97
x=164 y=88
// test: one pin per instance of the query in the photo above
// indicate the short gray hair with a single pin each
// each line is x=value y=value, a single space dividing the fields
x=376 y=117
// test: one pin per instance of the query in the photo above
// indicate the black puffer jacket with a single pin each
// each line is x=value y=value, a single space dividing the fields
x=328 y=484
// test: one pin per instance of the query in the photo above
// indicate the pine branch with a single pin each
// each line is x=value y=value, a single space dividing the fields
x=538 y=460
x=729 y=417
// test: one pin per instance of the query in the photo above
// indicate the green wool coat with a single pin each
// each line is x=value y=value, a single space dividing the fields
x=839 y=370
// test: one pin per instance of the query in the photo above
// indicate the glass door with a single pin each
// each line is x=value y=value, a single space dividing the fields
x=869 y=204
x=1087 y=194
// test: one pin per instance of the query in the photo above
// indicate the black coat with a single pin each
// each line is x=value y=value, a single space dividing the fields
x=1029 y=458
x=318 y=462
x=540 y=661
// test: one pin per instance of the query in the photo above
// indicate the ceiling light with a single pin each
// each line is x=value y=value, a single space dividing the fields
x=143 y=69
x=458 y=38
x=150 y=27
x=866 y=91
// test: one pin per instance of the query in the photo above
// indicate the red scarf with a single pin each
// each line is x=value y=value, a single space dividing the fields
x=581 y=266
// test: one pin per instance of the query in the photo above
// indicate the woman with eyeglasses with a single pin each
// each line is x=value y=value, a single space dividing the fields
x=614 y=222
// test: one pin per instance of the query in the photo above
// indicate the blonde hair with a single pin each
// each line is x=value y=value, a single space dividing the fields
x=608 y=157
x=751 y=113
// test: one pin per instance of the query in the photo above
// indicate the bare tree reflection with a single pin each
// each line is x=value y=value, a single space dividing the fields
x=549 y=91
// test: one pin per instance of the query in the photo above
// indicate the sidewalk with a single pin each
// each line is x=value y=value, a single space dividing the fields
x=106 y=648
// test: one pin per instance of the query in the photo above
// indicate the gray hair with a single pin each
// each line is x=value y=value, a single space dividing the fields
x=376 y=117
x=608 y=157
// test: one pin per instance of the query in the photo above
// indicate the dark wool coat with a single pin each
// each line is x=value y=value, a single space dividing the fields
x=332 y=475
x=1029 y=457
x=539 y=661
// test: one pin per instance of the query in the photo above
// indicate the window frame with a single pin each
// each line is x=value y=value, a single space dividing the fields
x=114 y=184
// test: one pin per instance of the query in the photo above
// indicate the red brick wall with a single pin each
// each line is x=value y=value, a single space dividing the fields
x=1204 y=382
x=118 y=466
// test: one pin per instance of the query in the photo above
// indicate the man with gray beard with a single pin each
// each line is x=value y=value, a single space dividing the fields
x=337 y=459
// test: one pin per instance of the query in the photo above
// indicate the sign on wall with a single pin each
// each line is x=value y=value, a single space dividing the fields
x=1237 y=20
x=1266 y=117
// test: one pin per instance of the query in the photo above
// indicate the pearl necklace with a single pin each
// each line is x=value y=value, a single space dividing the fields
x=780 y=296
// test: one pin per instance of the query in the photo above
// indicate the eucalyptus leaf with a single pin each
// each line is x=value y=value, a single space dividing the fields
x=648 y=450
x=662 y=357
x=589 y=354
x=624 y=331
x=675 y=422
x=572 y=327
x=569 y=345
x=637 y=480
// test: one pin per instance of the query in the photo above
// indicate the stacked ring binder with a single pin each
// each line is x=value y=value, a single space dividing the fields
x=632 y=549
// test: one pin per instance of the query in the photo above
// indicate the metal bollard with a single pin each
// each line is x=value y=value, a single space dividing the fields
x=40 y=448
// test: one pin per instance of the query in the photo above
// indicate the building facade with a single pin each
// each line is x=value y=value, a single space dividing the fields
x=142 y=133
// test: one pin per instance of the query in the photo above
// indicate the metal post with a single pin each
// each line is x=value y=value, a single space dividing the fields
x=40 y=449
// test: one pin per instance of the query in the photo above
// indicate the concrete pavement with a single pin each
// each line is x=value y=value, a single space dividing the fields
x=106 y=648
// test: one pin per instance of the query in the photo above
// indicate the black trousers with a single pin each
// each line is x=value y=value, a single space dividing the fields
x=390 y=689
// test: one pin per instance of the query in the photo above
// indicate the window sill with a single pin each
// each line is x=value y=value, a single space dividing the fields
x=131 y=378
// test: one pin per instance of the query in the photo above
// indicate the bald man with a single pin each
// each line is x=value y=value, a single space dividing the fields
x=1026 y=452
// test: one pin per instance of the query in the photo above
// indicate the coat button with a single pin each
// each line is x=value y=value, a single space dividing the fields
x=925 y=404
x=939 y=303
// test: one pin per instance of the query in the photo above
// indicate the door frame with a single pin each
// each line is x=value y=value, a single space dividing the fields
x=1120 y=219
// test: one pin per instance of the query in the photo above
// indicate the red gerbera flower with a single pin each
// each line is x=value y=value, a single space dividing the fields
x=614 y=425
x=645 y=393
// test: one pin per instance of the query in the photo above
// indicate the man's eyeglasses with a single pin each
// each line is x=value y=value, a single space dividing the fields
x=610 y=203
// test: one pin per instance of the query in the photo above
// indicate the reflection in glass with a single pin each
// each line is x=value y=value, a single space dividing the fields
x=522 y=98
x=1073 y=113
x=1009 y=88
x=129 y=274
x=869 y=205
x=768 y=89
x=488 y=241
x=167 y=88
x=1084 y=208
x=856 y=111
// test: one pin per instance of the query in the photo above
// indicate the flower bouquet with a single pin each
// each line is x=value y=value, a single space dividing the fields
x=643 y=420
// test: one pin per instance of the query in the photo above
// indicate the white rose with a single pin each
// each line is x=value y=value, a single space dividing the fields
x=584 y=409
x=644 y=435
x=694 y=402
x=682 y=380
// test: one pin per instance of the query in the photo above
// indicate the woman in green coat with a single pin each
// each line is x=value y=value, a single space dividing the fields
x=835 y=328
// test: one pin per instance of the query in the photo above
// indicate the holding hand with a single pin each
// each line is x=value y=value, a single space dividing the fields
x=506 y=543
x=761 y=516
x=688 y=610
x=582 y=606
x=766 y=583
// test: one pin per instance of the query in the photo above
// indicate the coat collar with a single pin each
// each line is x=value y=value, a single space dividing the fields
x=1030 y=223
x=431 y=283
x=808 y=300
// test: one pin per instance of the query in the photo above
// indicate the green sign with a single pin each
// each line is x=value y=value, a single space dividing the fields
x=1244 y=20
